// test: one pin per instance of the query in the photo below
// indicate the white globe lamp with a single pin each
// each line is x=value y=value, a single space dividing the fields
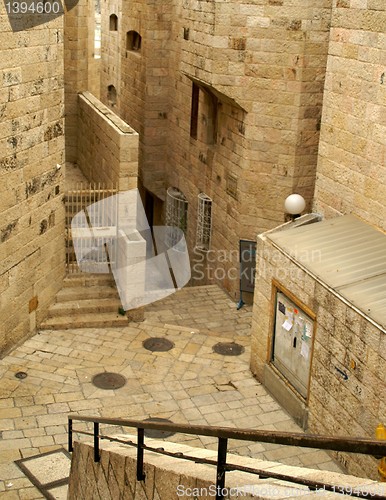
x=294 y=205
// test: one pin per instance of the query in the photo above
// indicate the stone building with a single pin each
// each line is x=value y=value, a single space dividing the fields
x=227 y=99
x=319 y=328
x=236 y=105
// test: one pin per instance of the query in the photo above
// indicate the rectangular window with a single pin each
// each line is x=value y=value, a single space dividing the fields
x=203 y=116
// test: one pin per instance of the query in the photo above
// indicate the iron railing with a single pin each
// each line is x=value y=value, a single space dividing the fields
x=344 y=444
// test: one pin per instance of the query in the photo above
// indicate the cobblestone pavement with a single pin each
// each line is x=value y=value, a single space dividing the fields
x=188 y=384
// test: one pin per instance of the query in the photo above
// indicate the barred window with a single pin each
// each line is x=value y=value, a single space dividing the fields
x=176 y=214
x=204 y=222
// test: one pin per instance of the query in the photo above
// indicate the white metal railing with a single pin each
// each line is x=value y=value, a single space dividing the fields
x=95 y=201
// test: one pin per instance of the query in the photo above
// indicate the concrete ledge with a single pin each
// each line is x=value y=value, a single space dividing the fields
x=286 y=396
x=169 y=478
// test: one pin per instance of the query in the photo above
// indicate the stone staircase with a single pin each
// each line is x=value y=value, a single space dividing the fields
x=85 y=301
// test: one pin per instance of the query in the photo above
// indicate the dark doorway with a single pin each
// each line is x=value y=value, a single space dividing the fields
x=149 y=208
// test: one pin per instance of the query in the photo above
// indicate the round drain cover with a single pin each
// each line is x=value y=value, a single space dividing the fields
x=155 y=433
x=108 y=380
x=157 y=344
x=228 y=348
x=20 y=375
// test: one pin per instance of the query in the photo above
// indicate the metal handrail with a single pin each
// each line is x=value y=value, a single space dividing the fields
x=346 y=444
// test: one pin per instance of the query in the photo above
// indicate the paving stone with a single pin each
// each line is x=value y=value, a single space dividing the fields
x=184 y=385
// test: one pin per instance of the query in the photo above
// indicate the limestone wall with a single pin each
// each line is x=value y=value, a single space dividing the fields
x=352 y=152
x=260 y=69
x=169 y=478
x=265 y=64
x=77 y=40
x=31 y=146
x=108 y=147
x=344 y=339
x=141 y=79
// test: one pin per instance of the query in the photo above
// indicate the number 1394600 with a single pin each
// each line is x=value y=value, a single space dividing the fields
x=33 y=7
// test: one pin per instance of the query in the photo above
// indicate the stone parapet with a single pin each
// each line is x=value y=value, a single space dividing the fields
x=170 y=478
x=108 y=147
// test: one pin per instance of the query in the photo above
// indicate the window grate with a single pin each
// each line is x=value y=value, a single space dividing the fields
x=204 y=222
x=176 y=214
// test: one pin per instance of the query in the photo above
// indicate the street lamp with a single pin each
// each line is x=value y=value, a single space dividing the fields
x=294 y=205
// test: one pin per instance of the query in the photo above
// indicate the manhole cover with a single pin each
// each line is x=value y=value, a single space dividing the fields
x=155 y=433
x=157 y=344
x=108 y=380
x=228 y=348
x=20 y=375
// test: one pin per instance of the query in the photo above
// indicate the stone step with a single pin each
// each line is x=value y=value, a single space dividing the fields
x=100 y=320
x=87 y=279
x=81 y=307
x=76 y=293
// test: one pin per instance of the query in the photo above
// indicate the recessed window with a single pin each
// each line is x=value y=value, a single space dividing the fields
x=204 y=222
x=111 y=95
x=133 y=41
x=203 y=116
x=113 y=23
x=231 y=185
x=194 y=111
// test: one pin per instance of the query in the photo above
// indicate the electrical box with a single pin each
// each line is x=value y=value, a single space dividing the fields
x=292 y=343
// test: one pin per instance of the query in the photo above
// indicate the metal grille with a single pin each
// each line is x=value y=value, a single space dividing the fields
x=80 y=199
x=176 y=214
x=204 y=222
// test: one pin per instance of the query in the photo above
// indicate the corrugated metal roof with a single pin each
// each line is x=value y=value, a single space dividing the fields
x=345 y=253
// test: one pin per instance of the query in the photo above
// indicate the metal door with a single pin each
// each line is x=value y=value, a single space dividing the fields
x=292 y=343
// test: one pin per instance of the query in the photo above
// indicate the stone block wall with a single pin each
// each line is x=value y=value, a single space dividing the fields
x=114 y=476
x=111 y=51
x=265 y=64
x=94 y=49
x=141 y=78
x=108 y=148
x=263 y=68
x=77 y=28
x=344 y=339
x=31 y=179
x=352 y=152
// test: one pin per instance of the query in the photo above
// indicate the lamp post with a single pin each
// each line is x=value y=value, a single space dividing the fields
x=294 y=205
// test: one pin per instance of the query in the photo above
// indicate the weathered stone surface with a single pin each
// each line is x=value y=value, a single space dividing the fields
x=351 y=406
x=107 y=143
x=170 y=477
x=31 y=138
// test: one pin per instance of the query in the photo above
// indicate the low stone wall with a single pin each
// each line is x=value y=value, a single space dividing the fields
x=107 y=146
x=167 y=478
